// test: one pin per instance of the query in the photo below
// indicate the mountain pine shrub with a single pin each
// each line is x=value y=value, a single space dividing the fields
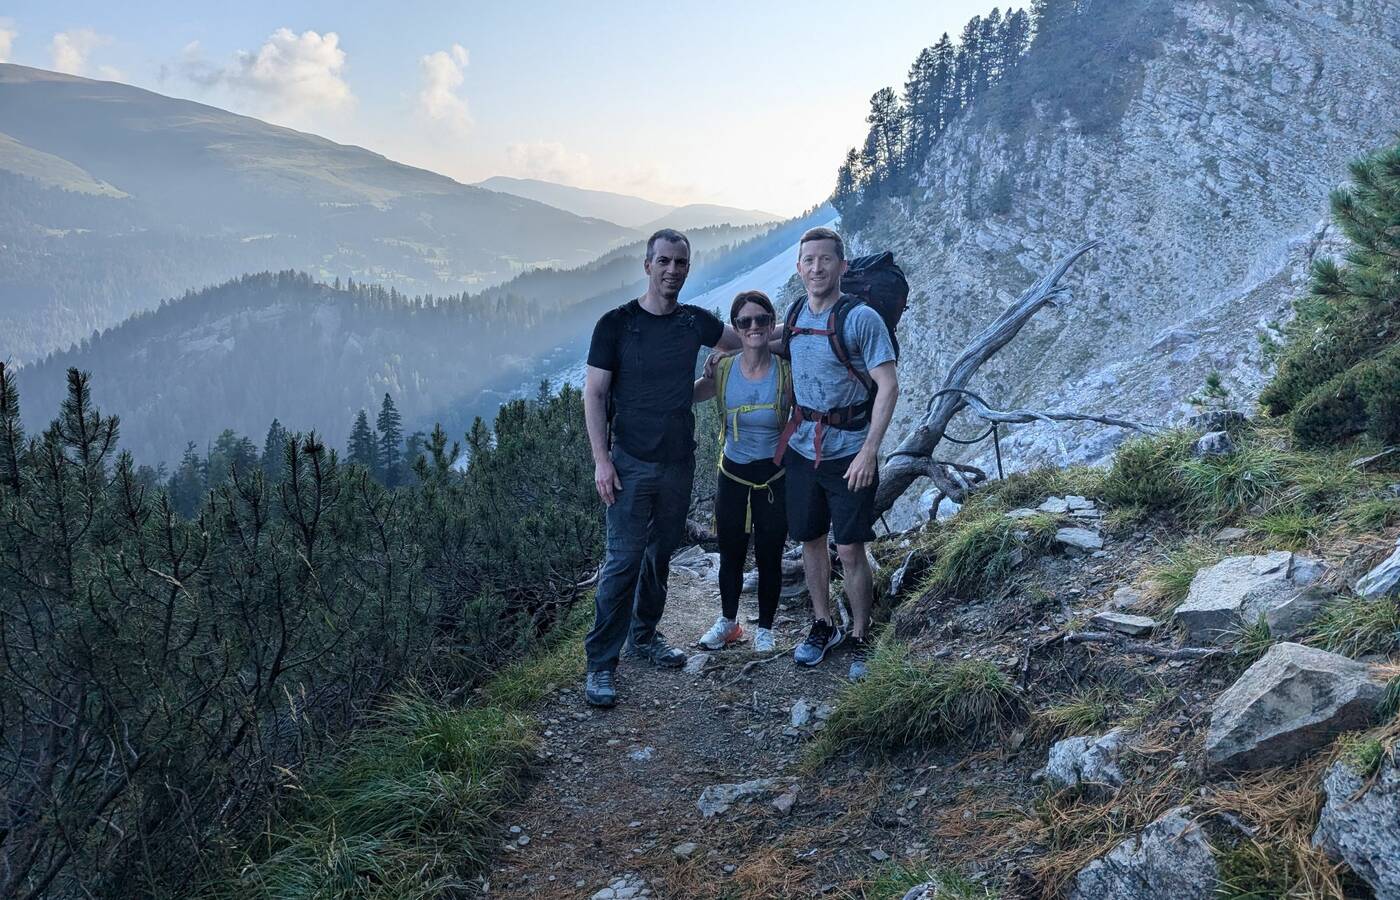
x=1339 y=374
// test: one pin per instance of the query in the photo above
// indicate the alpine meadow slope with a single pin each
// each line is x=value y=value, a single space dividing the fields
x=112 y=197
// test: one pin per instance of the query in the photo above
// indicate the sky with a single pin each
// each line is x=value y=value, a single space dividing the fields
x=747 y=104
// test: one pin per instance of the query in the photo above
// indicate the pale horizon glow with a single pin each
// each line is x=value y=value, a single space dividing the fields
x=746 y=105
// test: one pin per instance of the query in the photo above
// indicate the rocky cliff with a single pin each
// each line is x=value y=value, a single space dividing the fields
x=1209 y=193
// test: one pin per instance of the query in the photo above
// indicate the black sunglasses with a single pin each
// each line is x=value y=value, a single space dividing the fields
x=760 y=321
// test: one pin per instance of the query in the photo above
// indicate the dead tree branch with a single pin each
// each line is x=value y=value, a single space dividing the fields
x=913 y=458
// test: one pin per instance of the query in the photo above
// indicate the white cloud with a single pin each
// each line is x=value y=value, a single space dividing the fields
x=438 y=99
x=296 y=73
x=549 y=161
x=70 y=50
x=293 y=76
x=7 y=40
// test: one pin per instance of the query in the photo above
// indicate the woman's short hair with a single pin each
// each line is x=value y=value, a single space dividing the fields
x=746 y=297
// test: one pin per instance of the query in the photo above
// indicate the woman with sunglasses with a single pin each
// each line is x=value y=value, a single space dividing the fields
x=752 y=394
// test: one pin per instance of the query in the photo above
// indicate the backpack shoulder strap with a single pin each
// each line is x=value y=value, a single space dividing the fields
x=723 y=369
x=790 y=322
x=837 y=324
x=785 y=395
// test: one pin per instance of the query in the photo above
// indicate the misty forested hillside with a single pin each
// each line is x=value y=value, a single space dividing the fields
x=112 y=197
x=311 y=354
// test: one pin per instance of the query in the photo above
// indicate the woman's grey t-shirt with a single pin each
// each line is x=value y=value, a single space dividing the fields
x=756 y=436
x=820 y=381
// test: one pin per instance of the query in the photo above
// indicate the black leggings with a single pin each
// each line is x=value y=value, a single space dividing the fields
x=769 y=523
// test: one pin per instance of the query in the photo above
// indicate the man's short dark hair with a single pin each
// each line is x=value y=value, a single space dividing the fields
x=746 y=297
x=823 y=234
x=666 y=234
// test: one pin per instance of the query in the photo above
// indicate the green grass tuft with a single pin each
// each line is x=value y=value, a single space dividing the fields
x=1361 y=753
x=1170 y=579
x=906 y=702
x=407 y=811
x=1080 y=713
x=1252 y=642
x=894 y=880
x=1144 y=471
x=1389 y=707
x=1255 y=871
x=524 y=683
x=1141 y=710
x=1355 y=626
x=1374 y=514
x=977 y=548
x=1289 y=529
x=1221 y=487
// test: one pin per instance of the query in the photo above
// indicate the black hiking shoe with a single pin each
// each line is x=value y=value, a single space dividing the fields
x=859 y=653
x=599 y=689
x=820 y=639
x=657 y=652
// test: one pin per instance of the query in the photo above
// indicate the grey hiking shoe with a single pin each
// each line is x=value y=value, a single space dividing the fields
x=820 y=639
x=657 y=652
x=599 y=689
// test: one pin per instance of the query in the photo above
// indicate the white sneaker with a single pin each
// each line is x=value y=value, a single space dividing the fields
x=722 y=633
x=763 y=640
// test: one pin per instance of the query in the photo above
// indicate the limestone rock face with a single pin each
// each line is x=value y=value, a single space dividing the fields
x=1293 y=701
x=1170 y=860
x=1243 y=119
x=1364 y=831
x=1238 y=590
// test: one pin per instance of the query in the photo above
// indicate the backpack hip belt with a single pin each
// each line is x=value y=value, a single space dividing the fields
x=752 y=486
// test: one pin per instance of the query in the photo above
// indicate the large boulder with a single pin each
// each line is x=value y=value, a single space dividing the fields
x=1384 y=579
x=1294 y=700
x=1238 y=590
x=1363 y=828
x=1086 y=760
x=1169 y=860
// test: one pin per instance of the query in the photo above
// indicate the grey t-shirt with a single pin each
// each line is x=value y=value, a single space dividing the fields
x=820 y=381
x=756 y=435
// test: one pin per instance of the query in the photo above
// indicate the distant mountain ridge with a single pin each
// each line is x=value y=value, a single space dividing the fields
x=631 y=212
x=111 y=196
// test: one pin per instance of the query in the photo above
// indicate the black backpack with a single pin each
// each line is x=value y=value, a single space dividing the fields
x=875 y=281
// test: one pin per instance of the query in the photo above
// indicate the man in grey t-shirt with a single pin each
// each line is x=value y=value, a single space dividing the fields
x=832 y=461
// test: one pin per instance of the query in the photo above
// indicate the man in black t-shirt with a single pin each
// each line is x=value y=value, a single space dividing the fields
x=641 y=368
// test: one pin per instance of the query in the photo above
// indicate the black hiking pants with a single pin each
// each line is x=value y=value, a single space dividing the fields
x=646 y=524
x=764 y=512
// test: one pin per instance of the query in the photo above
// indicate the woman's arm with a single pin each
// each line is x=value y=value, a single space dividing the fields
x=704 y=390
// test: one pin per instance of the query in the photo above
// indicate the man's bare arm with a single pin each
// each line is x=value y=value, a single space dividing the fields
x=596 y=384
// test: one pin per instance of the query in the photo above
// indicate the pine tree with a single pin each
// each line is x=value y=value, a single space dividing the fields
x=186 y=487
x=1015 y=39
x=363 y=448
x=390 y=428
x=886 y=130
x=989 y=54
x=966 y=62
x=274 y=450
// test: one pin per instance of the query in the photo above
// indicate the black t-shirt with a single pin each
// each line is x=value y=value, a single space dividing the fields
x=652 y=360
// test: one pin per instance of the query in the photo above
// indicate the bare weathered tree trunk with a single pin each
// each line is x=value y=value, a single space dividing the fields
x=914 y=456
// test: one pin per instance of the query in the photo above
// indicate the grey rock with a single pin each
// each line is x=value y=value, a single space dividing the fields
x=685 y=850
x=1054 y=506
x=718 y=798
x=1123 y=623
x=1240 y=589
x=1287 y=620
x=1294 y=700
x=624 y=887
x=1384 y=579
x=1079 y=504
x=1170 y=860
x=879 y=855
x=801 y=713
x=785 y=801
x=1212 y=444
x=697 y=663
x=1079 y=538
x=642 y=754
x=1217 y=420
x=1022 y=513
x=1086 y=760
x=1229 y=535
x=1125 y=597
x=1362 y=829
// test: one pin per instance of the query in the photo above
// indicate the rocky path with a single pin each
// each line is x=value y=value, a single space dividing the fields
x=615 y=811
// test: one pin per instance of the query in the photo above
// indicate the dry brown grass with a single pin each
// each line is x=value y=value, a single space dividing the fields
x=1282 y=806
